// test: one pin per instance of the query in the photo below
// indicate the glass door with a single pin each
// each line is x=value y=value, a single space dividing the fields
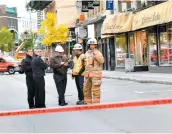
x=121 y=49
x=131 y=46
x=164 y=46
x=141 y=54
x=153 y=53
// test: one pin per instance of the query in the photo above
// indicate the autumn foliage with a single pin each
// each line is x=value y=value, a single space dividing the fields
x=6 y=39
x=51 y=32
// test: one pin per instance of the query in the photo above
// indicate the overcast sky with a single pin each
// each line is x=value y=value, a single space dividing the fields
x=20 y=4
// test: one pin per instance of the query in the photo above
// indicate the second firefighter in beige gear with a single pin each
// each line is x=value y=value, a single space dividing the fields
x=93 y=73
x=78 y=72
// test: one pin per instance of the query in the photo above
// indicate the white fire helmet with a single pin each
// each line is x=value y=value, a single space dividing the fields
x=59 y=49
x=77 y=47
x=92 y=41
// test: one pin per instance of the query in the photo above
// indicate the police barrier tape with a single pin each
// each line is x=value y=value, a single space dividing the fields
x=88 y=107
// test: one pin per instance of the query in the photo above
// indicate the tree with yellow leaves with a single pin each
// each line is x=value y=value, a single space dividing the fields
x=51 y=32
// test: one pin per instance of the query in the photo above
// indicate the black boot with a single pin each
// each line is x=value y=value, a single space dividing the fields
x=31 y=106
x=63 y=104
x=80 y=102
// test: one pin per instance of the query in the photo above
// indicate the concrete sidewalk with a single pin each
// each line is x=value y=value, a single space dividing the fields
x=142 y=77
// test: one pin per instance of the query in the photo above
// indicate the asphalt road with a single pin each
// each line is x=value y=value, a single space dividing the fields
x=157 y=119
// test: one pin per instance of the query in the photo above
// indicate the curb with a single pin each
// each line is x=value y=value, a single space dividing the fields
x=139 y=81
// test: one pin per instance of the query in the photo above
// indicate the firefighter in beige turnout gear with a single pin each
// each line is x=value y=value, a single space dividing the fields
x=93 y=73
x=78 y=72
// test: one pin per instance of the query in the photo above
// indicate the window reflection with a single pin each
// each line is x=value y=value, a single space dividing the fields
x=164 y=46
x=131 y=46
x=141 y=48
x=121 y=48
x=152 y=47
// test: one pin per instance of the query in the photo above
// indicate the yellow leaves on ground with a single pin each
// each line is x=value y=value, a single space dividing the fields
x=51 y=32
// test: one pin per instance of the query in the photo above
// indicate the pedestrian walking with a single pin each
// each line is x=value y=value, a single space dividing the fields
x=26 y=66
x=78 y=72
x=39 y=67
x=59 y=64
x=93 y=73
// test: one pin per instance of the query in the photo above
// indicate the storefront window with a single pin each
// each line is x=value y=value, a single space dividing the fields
x=141 y=49
x=170 y=42
x=131 y=46
x=121 y=49
x=164 y=46
x=153 y=57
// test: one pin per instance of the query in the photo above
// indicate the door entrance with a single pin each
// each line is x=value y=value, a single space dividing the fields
x=141 y=49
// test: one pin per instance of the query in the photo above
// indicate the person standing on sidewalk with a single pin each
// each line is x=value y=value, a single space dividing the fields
x=93 y=73
x=59 y=64
x=78 y=72
x=26 y=66
x=39 y=67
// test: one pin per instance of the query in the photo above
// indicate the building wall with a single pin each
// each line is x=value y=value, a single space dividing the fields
x=3 y=21
x=65 y=12
x=96 y=11
x=25 y=25
x=143 y=45
x=12 y=23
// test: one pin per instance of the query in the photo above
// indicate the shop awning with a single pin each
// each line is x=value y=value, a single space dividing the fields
x=94 y=20
x=106 y=36
x=118 y=23
x=155 y=15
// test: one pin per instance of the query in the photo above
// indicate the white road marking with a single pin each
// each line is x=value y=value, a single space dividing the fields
x=152 y=91
x=138 y=92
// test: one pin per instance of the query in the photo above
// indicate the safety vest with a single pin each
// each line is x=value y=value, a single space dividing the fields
x=78 y=64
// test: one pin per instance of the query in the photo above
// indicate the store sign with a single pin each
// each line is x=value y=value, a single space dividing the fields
x=145 y=20
x=90 y=4
x=129 y=65
x=109 y=5
x=96 y=3
x=117 y=23
x=155 y=15
x=84 y=6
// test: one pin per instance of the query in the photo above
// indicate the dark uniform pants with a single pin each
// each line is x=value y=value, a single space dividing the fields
x=79 y=80
x=30 y=91
x=60 y=81
x=40 y=92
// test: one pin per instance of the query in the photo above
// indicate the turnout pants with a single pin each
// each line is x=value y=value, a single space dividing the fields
x=92 y=90
x=40 y=92
x=30 y=91
x=60 y=81
x=79 y=80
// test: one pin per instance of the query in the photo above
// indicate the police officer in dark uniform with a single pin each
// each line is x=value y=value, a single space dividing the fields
x=26 y=66
x=39 y=67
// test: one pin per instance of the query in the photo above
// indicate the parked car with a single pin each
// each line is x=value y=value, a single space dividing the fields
x=10 y=65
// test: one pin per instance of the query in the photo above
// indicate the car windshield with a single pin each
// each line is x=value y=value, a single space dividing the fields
x=9 y=59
